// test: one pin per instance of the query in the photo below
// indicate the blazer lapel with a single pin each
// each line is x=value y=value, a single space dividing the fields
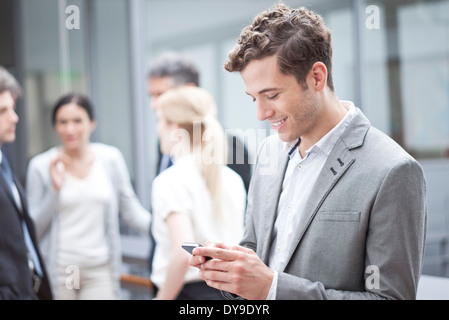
x=7 y=190
x=4 y=185
x=22 y=195
x=339 y=161
x=273 y=182
x=334 y=168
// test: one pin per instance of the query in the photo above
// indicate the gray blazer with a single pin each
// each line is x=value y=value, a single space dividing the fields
x=366 y=218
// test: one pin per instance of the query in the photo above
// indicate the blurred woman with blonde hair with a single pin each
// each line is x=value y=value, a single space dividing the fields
x=198 y=198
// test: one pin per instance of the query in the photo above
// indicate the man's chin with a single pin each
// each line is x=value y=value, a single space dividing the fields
x=286 y=138
x=10 y=138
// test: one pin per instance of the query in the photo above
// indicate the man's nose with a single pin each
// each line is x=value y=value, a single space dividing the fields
x=263 y=111
x=14 y=116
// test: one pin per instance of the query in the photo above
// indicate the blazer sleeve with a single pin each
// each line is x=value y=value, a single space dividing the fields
x=42 y=198
x=131 y=209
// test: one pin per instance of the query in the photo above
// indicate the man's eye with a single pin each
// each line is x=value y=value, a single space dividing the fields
x=273 y=97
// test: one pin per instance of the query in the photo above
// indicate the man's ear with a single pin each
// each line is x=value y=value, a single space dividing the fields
x=319 y=75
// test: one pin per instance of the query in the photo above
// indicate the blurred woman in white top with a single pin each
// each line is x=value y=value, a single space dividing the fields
x=75 y=193
x=198 y=198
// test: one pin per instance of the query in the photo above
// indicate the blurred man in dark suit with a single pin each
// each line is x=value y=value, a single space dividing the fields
x=22 y=271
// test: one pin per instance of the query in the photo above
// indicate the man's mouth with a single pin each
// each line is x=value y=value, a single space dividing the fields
x=278 y=124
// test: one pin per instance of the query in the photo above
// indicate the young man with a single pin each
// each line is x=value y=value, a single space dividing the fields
x=343 y=214
x=22 y=272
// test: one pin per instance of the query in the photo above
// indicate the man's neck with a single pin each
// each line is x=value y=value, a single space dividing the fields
x=331 y=114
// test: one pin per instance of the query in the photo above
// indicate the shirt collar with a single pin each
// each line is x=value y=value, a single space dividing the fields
x=291 y=146
x=327 y=143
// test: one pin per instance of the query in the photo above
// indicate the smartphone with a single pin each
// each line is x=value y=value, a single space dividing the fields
x=189 y=246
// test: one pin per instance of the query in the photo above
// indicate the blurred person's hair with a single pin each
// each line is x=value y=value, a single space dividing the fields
x=175 y=66
x=9 y=83
x=298 y=36
x=74 y=98
x=193 y=108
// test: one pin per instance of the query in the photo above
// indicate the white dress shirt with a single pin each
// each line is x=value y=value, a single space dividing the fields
x=299 y=180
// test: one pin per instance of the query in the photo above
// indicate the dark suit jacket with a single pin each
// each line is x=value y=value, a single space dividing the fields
x=238 y=159
x=15 y=278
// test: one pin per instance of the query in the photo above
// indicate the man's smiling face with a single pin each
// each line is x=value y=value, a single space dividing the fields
x=292 y=110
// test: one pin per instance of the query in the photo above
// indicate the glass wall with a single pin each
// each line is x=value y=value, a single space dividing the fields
x=405 y=92
x=92 y=58
x=424 y=77
x=405 y=67
x=54 y=63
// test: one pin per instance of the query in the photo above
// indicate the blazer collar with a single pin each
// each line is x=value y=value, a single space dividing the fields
x=354 y=136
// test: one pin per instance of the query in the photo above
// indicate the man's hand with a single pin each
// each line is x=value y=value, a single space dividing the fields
x=235 y=269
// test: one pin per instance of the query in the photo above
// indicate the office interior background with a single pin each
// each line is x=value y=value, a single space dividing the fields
x=391 y=57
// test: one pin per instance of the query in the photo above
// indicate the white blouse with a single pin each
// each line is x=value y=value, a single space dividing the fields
x=182 y=189
x=82 y=216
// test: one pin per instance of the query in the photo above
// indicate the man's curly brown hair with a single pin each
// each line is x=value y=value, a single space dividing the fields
x=298 y=36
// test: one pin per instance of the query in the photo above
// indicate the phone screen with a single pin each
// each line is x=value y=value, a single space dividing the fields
x=189 y=246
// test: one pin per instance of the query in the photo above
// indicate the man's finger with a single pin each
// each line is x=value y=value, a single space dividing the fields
x=242 y=249
x=196 y=261
x=216 y=253
x=216 y=245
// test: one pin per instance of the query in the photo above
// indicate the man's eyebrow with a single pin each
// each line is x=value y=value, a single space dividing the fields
x=264 y=90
